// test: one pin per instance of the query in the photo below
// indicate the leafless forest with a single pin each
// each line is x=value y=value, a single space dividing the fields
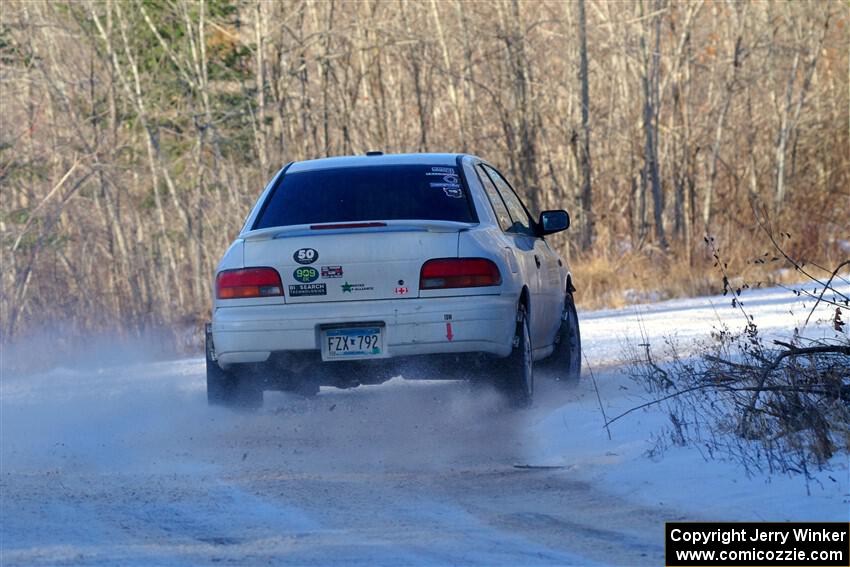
x=136 y=134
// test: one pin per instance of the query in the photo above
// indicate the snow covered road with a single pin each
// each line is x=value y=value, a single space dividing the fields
x=127 y=465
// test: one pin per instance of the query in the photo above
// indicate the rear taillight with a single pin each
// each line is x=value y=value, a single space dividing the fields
x=248 y=282
x=458 y=272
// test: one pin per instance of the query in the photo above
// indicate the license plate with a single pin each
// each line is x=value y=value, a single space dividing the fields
x=350 y=343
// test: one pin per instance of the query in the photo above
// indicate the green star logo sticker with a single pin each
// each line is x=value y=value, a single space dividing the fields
x=346 y=287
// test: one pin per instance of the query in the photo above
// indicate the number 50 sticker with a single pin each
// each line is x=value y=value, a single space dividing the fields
x=305 y=256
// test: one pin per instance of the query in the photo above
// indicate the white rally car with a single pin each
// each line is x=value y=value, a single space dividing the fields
x=351 y=270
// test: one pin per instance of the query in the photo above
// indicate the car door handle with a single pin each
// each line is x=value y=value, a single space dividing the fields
x=537 y=260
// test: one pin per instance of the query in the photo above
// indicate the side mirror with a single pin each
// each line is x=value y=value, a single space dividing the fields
x=553 y=221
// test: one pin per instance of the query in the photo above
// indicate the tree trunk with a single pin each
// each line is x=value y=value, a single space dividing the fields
x=587 y=230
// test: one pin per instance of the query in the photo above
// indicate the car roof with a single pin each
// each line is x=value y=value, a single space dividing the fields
x=365 y=161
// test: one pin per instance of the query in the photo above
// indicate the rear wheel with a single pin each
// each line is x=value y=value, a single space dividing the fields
x=565 y=360
x=235 y=387
x=515 y=374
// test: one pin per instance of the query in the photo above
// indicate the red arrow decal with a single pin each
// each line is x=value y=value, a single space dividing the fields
x=449 y=334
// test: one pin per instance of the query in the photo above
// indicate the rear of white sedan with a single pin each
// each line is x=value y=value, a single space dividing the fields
x=347 y=268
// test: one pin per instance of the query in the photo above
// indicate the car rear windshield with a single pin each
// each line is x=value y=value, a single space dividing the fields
x=353 y=194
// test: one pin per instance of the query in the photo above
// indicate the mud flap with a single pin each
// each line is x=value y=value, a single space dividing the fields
x=208 y=342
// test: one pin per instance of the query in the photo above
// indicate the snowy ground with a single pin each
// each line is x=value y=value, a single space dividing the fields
x=681 y=478
x=127 y=465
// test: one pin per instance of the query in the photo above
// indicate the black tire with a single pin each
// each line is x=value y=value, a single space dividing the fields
x=515 y=374
x=233 y=388
x=565 y=361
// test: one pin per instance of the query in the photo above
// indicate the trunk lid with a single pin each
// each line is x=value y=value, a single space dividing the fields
x=378 y=260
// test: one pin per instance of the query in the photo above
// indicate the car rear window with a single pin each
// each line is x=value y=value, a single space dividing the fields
x=381 y=192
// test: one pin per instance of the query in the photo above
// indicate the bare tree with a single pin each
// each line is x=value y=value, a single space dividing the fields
x=586 y=189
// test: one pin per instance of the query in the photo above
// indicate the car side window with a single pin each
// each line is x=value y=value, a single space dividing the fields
x=499 y=208
x=520 y=221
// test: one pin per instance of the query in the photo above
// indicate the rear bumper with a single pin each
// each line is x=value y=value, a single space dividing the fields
x=481 y=323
